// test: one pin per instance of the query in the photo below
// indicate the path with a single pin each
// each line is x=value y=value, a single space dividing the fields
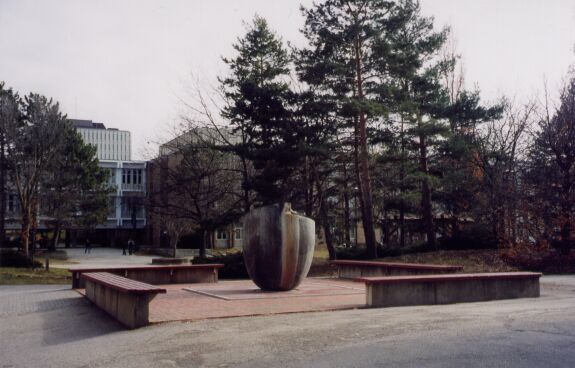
x=104 y=257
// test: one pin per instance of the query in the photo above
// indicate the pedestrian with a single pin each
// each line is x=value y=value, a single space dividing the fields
x=130 y=246
x=87 y=246
x=124 y=247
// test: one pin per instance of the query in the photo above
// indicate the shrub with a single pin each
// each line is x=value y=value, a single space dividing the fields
x=474 y=236
x=17 y=259
x=359 y=253
x=234 y=266
x=530 y=258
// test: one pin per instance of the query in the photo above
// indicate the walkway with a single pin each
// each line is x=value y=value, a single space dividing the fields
x=53 y=326
x=104 y=257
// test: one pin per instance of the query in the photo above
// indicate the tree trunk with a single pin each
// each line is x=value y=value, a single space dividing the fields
x=325 y=224
x=56 y=237
x=426 y=191
x=68 y=238
x=401 y=188
x=2 y=191
x=364 y=177
x=25 y=232
x=203 y=240
x=346 y=219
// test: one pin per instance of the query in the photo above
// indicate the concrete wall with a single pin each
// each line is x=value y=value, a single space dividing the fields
x=447 y=292
x=129 y=309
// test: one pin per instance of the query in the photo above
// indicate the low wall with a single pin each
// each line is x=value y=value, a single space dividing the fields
x=168 y=252
x=132 y=310
x=154 y=275
x=358 y=269
x=443 y=289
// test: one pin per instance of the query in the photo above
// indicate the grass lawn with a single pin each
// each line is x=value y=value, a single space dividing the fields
x=473 y=261
x=25 y=276
x=483 y=260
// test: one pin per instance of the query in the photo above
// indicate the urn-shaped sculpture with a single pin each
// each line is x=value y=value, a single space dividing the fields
x=278 y=246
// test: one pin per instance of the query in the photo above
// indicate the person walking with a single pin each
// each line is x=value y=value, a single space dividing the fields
x=87 y=246
x=124 y=247
x=130 y=246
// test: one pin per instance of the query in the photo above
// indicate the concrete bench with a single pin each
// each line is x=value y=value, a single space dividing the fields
x=446 y=289
x=155 y=275
x=355 y=269
x=126 y=300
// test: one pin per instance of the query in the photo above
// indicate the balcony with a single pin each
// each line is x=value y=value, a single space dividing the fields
x=133 y=187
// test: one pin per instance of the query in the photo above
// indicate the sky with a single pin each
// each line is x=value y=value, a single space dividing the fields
x=130 y=63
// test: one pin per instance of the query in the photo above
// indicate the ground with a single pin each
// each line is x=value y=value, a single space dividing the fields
x=51 y=326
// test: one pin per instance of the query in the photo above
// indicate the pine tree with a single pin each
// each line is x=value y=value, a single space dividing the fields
x=10 y=118
x=347 y=42
x=262 y=111
x=75 y=189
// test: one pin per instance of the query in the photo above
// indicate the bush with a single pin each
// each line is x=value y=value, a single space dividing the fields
x=359 y=253
x=475 y=236
x=234 y=266
x=17 y=259
x=530 y=258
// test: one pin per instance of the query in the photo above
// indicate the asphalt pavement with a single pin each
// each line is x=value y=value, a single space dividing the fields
x=53 y=326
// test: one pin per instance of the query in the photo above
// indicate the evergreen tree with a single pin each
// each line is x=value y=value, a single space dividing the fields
x=262 y=111
x=75 y=189
x=415 y=94
x=10 y=117
x=347 y=43
x=552 y=169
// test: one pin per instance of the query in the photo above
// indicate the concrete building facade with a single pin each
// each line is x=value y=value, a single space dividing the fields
x=112 y=144
x=126 y=212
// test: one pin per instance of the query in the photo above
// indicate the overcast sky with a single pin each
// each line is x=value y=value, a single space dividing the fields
x=124 y=63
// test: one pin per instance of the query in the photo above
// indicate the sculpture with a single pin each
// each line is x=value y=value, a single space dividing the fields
x=279 y=246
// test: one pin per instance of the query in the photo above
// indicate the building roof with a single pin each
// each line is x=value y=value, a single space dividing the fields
x=78 y=123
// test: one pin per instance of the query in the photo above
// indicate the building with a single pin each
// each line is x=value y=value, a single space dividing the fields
x=111 y=144
x=162 y=194
x=127 y=215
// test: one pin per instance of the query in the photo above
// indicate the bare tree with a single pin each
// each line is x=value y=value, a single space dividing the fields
x=195 y=182
x=176 y=227
x=501 y=147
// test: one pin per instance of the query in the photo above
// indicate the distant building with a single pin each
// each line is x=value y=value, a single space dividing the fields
x=126 y=212
x=158 y=194
x=112 y=144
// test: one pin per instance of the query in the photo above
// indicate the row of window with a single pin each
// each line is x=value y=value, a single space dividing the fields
x=132 y=176
x=223 y=234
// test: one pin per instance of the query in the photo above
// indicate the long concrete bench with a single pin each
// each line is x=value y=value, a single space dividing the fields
x=446 y=289
x=355 y=269
x=155 y=274
x=126 y=300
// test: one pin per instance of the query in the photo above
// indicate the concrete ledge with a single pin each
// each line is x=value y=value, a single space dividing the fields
x=124 y=299
x=354 y=269
x=447 y=289
x=170 y=261
x=155 y=274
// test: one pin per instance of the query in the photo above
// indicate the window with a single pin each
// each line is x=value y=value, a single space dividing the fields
x=112 y=207
x=11 y=202
x=126 y=176
x=137 y=173
x=221 y=235
x=238 y=234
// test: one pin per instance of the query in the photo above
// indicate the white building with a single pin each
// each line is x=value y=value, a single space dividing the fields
x=112 y=144
x=126 y=216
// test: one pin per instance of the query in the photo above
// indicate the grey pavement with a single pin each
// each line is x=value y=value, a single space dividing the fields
x=104 y=257
x=52 y=326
